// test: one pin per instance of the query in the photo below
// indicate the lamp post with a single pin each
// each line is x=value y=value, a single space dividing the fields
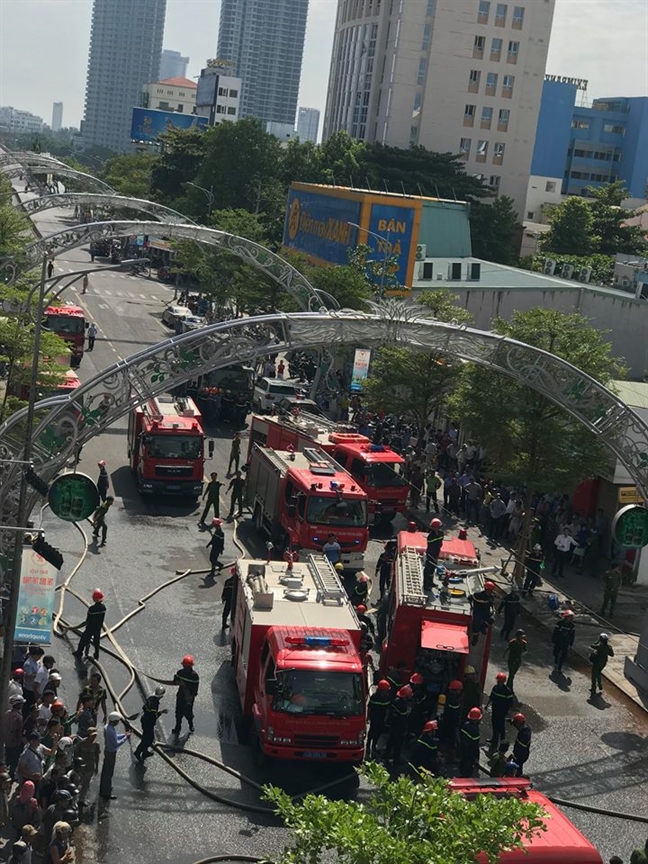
x=208 y=192
x=388 y=249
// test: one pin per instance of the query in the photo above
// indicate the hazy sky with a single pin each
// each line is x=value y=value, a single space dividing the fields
x=44 y=46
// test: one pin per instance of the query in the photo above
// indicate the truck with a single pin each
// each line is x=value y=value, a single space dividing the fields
x=560 y=843
x=295 y=641
x=376 y=468
x=166 y=446
x=430 y=632
x=299 y=498
x=224 y=394
x=46 y=387
x=68 y=321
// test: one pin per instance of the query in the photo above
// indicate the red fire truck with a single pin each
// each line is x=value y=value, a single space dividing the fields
x=68 y=322
x=295 y=652
x=431 y=632
x=298 y=499
x=375 y=468
x=561 y=843
x=45 y=388
x=165 y=446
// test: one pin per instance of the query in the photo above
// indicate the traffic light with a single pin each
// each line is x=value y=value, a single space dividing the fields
x=49 y=553
x=36 y=482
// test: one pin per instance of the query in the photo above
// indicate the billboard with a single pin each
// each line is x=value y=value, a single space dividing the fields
x=395 y=225
x=148 y=124
x=360 y=371
x=36 y=599
x=318 y=225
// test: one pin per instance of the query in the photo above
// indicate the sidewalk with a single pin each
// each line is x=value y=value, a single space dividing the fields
x=585 y=593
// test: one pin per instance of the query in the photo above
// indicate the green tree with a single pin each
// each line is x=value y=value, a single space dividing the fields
x=183 y=151
x=15 y=227
x=444 y=306
x=130 y=174
x=572 y=229
x=302 y=162
x=607 y=221
x=343 y=160
x=495 y=231
x=405 y=822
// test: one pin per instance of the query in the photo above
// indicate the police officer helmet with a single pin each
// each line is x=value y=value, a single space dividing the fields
x=160 y=691
x=114 y=717
x=63 y=795
x=604 y=637
x=537 y=547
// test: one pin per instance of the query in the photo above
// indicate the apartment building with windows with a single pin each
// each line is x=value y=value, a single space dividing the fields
x=171 y=94
x=460 y=76
x=218 y=96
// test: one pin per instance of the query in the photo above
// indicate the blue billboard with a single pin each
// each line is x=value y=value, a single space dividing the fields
x=148 y=124
x=318 y=225
x=395 y=225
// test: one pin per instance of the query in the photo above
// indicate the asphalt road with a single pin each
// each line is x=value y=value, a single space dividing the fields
x=593 y=754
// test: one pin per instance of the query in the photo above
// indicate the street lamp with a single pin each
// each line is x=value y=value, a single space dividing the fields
x=388 y=249
x=208 y=192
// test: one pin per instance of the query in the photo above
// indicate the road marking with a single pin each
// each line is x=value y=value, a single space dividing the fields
x=143 y=296
x=108 y=293
x=104 y=306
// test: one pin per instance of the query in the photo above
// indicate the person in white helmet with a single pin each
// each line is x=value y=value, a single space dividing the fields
x=150 y=713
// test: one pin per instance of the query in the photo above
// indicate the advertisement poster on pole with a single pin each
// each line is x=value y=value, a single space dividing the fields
x=360 y=368
x=36 y=599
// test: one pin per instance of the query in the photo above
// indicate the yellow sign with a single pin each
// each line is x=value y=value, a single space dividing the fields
x=629 y=495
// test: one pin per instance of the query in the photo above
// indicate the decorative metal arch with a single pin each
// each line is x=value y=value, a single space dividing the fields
x=27 y=158
x=258 y=256
x=60 y=170
x=72 y=199
x=62 y=427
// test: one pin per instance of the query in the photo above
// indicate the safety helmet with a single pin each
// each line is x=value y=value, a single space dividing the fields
x=501 y=676
x=384 y=685
x=520 y=633
x=55 y=678
x=187 y=660
x=430 y=726
x=489 y=586
x=65 y=742
x=18 y=672
x=537 y=547
x=455 y=685
x=519 y=718
x=511 y=765
x=63 y=795
x=469 y=670
x=604 y=637
x=216 y=522
x=362 y=577
x=101 y=463
x=568 y=613
x=57 y=706
x=114 y=717
x=339 y=566
x=405 y=692
x=416 y=678
x=435 y=523
x=361 y=609
x=475 y=714
x=98 y=595
x=160 y=691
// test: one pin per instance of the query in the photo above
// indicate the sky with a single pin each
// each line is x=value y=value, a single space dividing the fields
x=44 y=47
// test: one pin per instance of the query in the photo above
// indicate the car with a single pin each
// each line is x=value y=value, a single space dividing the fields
x=292 y=404
x=267 y=391
x=172 y=314
x=189 y=322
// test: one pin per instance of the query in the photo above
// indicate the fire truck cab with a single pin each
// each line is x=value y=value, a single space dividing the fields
x=560 y=843
x=298 y=499
x=68 y=322
x=431 y=632
x=376 y=468
x=165 y=446
x=295 y=652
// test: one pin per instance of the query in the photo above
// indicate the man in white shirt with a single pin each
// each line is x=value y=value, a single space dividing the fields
x=563 y=543
x=31 y=668
x=42 y=676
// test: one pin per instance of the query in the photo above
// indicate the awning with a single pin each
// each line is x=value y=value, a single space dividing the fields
x=444 y=637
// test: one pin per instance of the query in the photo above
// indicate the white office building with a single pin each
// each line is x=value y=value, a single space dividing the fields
x=458 y=76
x=18 y=122
x=218 y=96
x=172 y=94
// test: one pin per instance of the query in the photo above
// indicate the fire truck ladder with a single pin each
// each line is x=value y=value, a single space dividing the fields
x=409 y=562
x=329 y=587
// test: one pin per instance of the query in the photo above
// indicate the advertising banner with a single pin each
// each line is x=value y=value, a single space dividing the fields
x=360 y=370
x=35 y=600
x=318 y=225
x=148 y=124
x=395 y=225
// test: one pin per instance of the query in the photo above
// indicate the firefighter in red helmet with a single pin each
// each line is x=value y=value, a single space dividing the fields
x=93 y=624
x=186 y=679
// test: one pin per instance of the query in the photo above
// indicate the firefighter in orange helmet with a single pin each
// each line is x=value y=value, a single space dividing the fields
x=93 y=624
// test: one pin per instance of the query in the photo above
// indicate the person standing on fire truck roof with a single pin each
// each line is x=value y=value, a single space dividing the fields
x=432 y=552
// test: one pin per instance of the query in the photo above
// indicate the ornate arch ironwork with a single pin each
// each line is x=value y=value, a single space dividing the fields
x=63 y=424
x=72 y=199
x=60 y=170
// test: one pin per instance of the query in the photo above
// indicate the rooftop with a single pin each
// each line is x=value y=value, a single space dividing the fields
x=633 y=393
x=179 y=82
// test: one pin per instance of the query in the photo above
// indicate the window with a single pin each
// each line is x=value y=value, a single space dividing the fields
x=231 y=110
x=550 y=186
x=530 y=214
x=482 y=151
x=421 y=71
x=431 y=8
x=469 y=115
x=500 y=14
x=233 y=93
x=496 y=49
x=180 y=107
x=222 y=91
x=494 y=181
x=220 y=109
x=498 y=153
x=513 y=50
x=615 y=130
x=484 y=11
x=426 y=38
x=507 y=86
x=580 y=124
x=473 y=81
x=478 y=48
x=428 y=273
x=486 y=117
x=518 y=17
x=491 y=83
x=464 y=147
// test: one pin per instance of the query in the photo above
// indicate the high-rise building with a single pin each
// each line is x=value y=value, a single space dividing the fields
x=57 y=116
x=308 y=124
x=173 y=65
x=125 y=49
x=17 y=121
x=264 y=42
x=460 y=77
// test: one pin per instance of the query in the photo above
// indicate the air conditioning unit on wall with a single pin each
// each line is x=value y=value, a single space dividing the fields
x=421 y=252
